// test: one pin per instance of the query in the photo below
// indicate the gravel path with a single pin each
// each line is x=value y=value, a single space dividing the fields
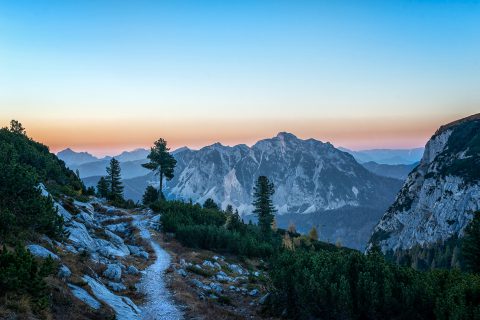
x=159 y=304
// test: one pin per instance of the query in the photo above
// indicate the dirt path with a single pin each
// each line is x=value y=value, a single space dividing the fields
x=159 y=303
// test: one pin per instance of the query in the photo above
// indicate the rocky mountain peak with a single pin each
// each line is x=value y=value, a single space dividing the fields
x=440 y=195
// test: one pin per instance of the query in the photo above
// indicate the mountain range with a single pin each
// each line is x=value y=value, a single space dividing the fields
x=387 y=156
x=316 y=184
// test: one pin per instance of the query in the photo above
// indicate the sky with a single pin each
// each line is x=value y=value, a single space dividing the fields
x=105 y=76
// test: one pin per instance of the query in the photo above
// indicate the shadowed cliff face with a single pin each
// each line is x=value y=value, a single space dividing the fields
x=440 y=196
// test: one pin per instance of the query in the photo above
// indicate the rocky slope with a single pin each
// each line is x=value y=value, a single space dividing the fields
x=103 y=261
x=440 y=195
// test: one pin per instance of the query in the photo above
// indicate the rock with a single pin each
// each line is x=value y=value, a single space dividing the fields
x=264 y=299
x=256 y=274
x=71 y=249
x=182 y=272
x=86 y=218
x=183 y=263
x=208 y=264
x=113 y=272
x=115 y=239
x=217 y=287
x=237 y=269
x=217 y=265
x=143 y=254
x=84 y=296
x=241 y=279
x=132 y=270
x=232 y=288
x=80 y=237
x=116 y=286
x=122 y=228
x=108 y=249
x=39 y=251
x=135 y=250
x=216 y=258
x=124 y=308
x=138 y=251
x=64 y=272
x=67 y=216
x=223 y=277
x=253 y=293
x=200 y=285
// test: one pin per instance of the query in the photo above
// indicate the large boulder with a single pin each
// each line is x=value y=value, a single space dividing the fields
x=125 y=309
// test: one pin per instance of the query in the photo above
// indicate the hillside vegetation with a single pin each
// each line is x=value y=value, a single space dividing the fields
x=26 y=214
x=310 y=279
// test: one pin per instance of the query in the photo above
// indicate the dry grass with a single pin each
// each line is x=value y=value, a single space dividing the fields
x=117 y=220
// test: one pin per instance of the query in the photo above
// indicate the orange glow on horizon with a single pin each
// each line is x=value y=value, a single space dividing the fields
x=108 y=137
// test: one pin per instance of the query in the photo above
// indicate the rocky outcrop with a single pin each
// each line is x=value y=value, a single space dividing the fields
x=440 y=196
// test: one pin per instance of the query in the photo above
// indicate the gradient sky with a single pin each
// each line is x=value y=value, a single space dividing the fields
x=105 y=76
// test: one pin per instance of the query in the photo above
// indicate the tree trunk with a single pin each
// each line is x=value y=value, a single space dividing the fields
x=161 y=183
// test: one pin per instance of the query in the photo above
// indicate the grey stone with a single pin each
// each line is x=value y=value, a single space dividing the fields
x=237 y=269
x=84 y=296
x=132 y=270
x=200 y=285
x=64 y=272
x=253 y=293
x=39 y=251
x=125 y=309
x=116 y=286
x=143 y=254
x=182 y=272
x=217 y=287
x=208 y=264
x=113 y=272
x=223 y=277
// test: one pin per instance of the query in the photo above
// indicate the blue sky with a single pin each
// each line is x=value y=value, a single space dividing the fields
x=312 y=67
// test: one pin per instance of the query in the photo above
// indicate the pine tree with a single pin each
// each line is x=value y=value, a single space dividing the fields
x=471 y=244
x=210 y=204
x=102 y=188
x=229 y=209
x=264 y=209
x=150 y=196
x=16 y=127
x=161 y=162
x=114 y=178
